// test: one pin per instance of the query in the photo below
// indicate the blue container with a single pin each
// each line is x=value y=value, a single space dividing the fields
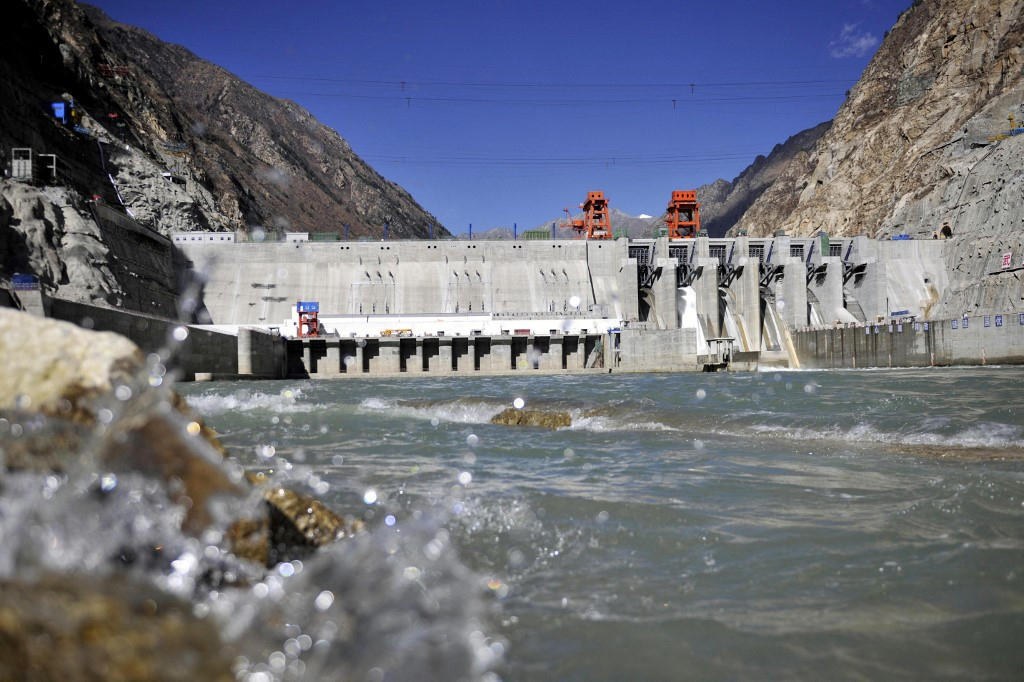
x=308 y=306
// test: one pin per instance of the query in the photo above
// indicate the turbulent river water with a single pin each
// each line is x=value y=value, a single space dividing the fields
x=848 y=524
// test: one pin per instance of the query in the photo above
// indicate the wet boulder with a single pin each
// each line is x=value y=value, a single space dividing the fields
x=73 y=627
x=549 y=419
x=291 y=526
x=57 y=368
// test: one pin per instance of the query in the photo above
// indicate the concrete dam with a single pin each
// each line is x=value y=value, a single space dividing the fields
x=635 y=305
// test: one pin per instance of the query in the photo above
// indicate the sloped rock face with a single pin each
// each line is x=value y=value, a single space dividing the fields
x=267 y=161
x=723 y=203
x=944 y=63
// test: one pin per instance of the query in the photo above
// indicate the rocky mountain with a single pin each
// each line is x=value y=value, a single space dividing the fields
x=155 y=112
x=723 y=203
x=916 y=149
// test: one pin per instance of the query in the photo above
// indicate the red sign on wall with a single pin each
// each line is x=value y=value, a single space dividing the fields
x=1007 y=258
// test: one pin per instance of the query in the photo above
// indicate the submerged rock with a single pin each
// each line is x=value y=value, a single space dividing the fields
x=80 y=627
x=543 y=418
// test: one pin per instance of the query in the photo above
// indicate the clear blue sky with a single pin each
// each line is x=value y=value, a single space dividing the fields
x=498 y=111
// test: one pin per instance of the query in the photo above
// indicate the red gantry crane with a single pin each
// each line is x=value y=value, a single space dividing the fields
x=596 y=222
x=683 y=217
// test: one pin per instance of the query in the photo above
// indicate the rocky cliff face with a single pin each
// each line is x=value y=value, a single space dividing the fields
x=267 y=161
x=946 y=77
x=723 y=203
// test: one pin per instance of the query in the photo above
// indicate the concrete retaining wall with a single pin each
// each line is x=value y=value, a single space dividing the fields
x=668 y=350
x=202 y=352
x=991 y=339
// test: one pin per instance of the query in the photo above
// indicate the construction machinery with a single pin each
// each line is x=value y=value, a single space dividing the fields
x=1013 y=131
x=596 y=221
x=683 y=217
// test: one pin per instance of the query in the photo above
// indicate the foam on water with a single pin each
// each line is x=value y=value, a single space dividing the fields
x=458 y=411
x=482 y=410
x=288 y=400
x=987 y=435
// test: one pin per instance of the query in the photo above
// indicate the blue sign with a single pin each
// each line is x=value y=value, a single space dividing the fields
x=952 y=323
x=867 y=330
x=917 y=326
x=965 y=322
x=926 y=326
x=24 y=282
x=876 y=330
x=307 y=306
x=899 y=327
x=999 y=320
x=59 y=109
x=1020 y=320
x=988 y=321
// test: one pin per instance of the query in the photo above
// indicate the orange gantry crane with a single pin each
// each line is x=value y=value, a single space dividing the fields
x=596 y=222
x=683 y=217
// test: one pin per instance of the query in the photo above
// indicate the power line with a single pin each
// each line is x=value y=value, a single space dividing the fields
x=405 y=99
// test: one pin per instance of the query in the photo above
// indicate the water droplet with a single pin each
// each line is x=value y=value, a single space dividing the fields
x=349 y=361
x=370 y=496
x=180 y=333
x=698 y=444
x=389 y=520
x=519 y=403
x=472 y=439
x=123 y=393
x=574 y=301
x=465 y=477
x=286 y=569
x=569 y=453
x=602 y=516
x=193 y=428
x=324 y=600
x=108 y=482
x=810 y=388
x=780 y=304
x=701 y=394
x=104 y=416
x=22 y=401
x=435 y=421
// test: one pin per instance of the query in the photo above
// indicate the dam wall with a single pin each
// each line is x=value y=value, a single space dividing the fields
x=257 y=283
x=726 y=298
x=969 y=340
